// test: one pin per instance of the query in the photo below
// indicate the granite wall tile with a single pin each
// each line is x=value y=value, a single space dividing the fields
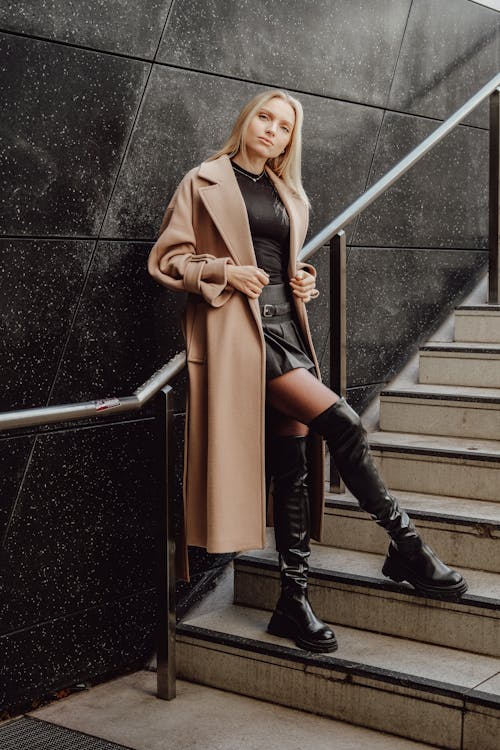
x=339 y=140
x=394 y=302
x=76 y=648
x=450 y=49
x=132 y=27
x=187 y=116
x=329 y=47
x=41 y=281
x=180 y=123
x=66 y=115
x=361 y=396
x=127 y=326
x=395 y=297
x=442 y=201
x=83 y=531
x=14 y=453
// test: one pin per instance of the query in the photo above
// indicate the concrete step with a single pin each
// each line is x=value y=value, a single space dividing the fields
x=442 y=410
x=126 y=711
x=480 y=323
x=422 y=692
x=465 y=533
x=460 y=363
x=347 y=587
x=436 y=465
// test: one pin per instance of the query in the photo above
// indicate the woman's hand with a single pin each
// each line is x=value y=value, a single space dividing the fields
x=247 y=279
x=304 y=286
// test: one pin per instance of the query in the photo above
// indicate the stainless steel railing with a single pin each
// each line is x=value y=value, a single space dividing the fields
x=45 y=415
x=157 y=383
x=394 y=174
x=334 y=232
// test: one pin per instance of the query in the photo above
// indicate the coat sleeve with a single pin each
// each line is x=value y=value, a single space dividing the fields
x=178 y=263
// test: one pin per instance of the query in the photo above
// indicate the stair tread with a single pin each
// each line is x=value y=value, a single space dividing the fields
x=353 y=566
x=445 y=392
x=483 y=308
x=387 y=657
x=405 y=441
x=439 y=507
x=461 y=347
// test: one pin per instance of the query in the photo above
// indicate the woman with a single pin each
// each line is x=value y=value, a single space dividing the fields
x=257 y=410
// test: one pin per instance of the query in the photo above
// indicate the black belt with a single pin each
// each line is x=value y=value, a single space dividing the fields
x=269 y=311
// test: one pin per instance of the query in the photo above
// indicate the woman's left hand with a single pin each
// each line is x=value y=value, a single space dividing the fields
x=304 y=286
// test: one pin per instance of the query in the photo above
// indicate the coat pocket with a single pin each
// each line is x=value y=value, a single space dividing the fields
x=196 y=342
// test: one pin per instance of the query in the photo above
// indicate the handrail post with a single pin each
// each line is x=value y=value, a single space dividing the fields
x=165 y=653
x=337 y=331
x=494 y=200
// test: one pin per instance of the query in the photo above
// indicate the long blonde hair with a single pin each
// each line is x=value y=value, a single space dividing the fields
x=288 y=165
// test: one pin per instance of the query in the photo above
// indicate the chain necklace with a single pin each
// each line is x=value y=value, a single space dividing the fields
x=247 y=174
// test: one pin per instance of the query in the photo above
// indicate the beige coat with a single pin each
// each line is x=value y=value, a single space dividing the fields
x=204 y=228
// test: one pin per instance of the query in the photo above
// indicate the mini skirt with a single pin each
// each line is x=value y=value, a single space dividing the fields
x=285 y=345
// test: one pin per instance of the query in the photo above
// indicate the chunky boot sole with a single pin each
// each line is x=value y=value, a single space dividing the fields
x=398 y=571
x=283 y=627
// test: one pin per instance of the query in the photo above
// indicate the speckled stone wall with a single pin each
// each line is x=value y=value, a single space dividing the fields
x=104 y=107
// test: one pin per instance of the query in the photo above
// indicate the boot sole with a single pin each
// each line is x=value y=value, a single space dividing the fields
x=399 y=572
x=285 y=628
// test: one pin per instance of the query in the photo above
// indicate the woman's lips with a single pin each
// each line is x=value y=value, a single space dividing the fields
x=268 y=143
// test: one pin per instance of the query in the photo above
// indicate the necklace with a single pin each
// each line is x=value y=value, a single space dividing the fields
x=248 y=174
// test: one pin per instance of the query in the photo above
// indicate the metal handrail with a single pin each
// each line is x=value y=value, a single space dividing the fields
x=359 y=205
x=158 y=382
x=45 y=415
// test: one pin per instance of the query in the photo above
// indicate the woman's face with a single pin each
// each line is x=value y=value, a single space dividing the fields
x=270 y=130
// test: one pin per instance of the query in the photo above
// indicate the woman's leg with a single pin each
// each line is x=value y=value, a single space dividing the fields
x=293 y=616
x=299 y=395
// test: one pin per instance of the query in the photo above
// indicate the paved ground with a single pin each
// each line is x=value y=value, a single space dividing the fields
x=127 y=711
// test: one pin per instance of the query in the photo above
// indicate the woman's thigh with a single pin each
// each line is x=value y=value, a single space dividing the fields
x=295 y=399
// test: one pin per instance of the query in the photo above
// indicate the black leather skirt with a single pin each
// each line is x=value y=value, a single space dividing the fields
x=286 y=348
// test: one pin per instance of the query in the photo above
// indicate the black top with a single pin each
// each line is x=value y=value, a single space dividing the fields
x=269 y=223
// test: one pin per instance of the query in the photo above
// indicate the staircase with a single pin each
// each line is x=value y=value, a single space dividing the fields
x=419 y=668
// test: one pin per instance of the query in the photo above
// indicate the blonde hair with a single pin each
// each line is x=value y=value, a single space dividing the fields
x=288 y=165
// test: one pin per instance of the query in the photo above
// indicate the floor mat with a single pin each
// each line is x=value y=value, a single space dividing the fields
x=33 y=734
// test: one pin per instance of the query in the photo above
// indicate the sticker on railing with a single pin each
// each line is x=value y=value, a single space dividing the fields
x=106 y=403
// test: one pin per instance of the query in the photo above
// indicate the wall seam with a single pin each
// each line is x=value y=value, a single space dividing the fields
x=80 y=610
x=382 y=120
x=226 y=76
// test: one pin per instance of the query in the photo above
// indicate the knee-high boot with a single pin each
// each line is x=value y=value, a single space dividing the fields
x=293 y=616
x=408 y=558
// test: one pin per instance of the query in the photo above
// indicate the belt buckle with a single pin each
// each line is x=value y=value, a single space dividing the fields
x=268 y=311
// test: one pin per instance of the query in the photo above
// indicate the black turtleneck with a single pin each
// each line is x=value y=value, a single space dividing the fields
x=269 y=223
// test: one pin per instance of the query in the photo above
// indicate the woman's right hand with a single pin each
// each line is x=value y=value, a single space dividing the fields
x=247 y=279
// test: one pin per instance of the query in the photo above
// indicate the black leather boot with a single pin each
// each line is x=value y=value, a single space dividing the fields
x=293 y=616
x=408 y=558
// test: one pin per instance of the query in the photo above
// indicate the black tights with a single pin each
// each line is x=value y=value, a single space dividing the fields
x=294 y=399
